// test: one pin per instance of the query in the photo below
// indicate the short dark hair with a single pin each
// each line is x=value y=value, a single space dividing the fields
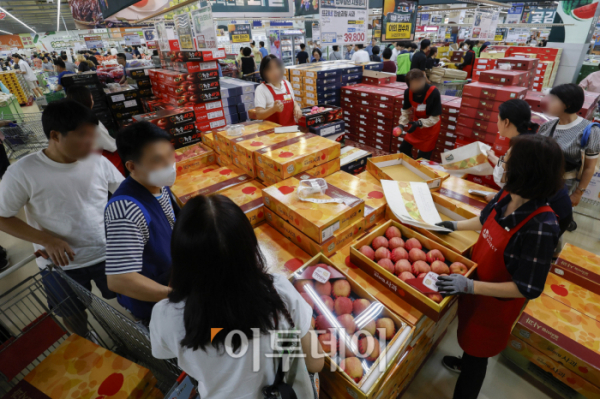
x=60 y=63
x=64 y=57
x=264 y=64
x=34 y=56
x=121 y=55
x=132 y=139
x=302 y=46
x=425 y=43
x=376 y=50
x=335 y=48
x=316 y=50
x=535 y=167
x=17 y=56
x=518 y=113
x=65 y=116
x=83 y=67
x=253 y=43
x=360 y=46
x=414 y=74
x=387 y=53
x=401 y=44
x=432 y=51
x=413 y=46
x=571 y=95
x=247 y=51
x=262 y=44
x=81 y=94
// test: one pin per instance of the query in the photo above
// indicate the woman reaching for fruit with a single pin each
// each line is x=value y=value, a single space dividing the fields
x=223 y=301
x=274 y=98
x=519 y=232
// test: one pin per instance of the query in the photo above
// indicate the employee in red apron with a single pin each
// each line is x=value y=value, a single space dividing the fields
x=469 y=58
x=519 y=232
x=274 y=98
x=420 y=122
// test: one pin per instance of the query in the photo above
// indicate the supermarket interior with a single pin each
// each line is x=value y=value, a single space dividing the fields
x=350 y=199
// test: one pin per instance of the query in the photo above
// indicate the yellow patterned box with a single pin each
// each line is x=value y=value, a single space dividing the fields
x=193 y=157
x=280 y=254
x=224 y=159
x=209 y=141
x=554 y=367
x=457 y=191
x=319 y=221
x=579 y=266
x=247 y=146
x=563 y=333
x=254 y=128
x=323 y=170
x=207 y=181
x=401 y=167
x=248 y=196
x=290 y=157
x=79 y=368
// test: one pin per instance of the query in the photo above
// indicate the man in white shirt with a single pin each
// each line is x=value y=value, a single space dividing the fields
x=26 y=70
x=360 y=54
x=64 y=189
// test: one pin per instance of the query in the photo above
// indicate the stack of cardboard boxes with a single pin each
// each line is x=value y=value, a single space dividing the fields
x=238 y=98
x=482 y=64
x=142 y=80
x=101 y=104
x=178 y=122
x=449 y=127
x=124 y=103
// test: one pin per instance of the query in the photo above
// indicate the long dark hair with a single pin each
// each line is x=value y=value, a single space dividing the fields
x=220 y=273
x=519 y=114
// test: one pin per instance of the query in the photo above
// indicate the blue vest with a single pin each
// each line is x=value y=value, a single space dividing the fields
x=157 y=251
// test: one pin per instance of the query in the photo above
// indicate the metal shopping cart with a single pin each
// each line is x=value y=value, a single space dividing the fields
x=23 y=135
x=451 y=87
x=30 y=329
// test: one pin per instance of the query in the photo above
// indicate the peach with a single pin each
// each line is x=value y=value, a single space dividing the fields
x=412 y=243
x=342 y=306
x=323 y=323
x=386 y=328
x=387 y=264
x=420 y=267
x=379 y=242
x=346 y=350
x=371 y=328
x=341 y=288
x=403 y=265
x=369 y=347
x=435 y=254
x=368 y=252
x=416 y=254
x=439 y=267
x=359 y=306
x=299 y=285
x=347 y=322
x=328 y=303
x=392 y=232
x=323 y=289
x=382 y=253
x=308 y=299
x=422 y=275
x=458 y=268
x=396 y=242
x=435 y=297
x=399 y=253
x=328 y=343
x=406 y=276
x=353 y=367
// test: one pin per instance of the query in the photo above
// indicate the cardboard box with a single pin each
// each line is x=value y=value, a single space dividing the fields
x=249 y=128
x=317 y=221
x=323 y=170
x=281 y=254
x=578 y=266
x=354 y=160
x=400 y=167
x=480 y=114
x=331 y=114
x=520 y=63
x=489 y=105
x=506 y=78
x=248 y=196
x=390 y=281
x=207 y=181
x=479 y=125
x=246 y=146
x=193 y=157
x=457 y=191
x=487 y=91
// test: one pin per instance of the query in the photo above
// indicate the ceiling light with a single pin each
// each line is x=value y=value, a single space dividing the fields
x=21 y=22
x=58 y=16
x=3 y=31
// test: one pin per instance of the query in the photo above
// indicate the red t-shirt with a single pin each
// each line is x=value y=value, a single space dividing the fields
x=389 y=66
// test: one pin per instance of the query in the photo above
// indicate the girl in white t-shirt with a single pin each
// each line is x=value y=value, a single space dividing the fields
x=221 y=285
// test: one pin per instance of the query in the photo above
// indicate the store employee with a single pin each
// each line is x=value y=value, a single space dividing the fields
x=274 y=98
x=423 y=126
x=519 y=232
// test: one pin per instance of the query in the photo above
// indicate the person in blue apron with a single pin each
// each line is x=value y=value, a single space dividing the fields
x=139 y=220
x=519 y=232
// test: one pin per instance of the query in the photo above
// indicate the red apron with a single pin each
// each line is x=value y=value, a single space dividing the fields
x=424 y=138
x=485 y=322
x=285 y=117
x=469 y=68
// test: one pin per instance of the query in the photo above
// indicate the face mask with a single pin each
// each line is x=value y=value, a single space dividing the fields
x=163 y=177
x=465 y=47
x=498 y=175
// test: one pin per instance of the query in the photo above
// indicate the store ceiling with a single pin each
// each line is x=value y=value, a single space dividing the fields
x=38 y=14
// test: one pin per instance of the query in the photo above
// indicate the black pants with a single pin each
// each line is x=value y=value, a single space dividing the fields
x=471 y=377
x=406 y=148
x=401 y=78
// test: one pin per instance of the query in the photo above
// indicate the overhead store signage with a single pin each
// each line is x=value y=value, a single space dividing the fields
x=399 y=20
x=484 y=25
x=437 y=20
x=377 y=28
x=513 y=15
x=240 y=33
x=185 y=36
x=253 y=8
x=517 y=35
x=500 y=34
x=578 y=17
x=132 y=39
x=2 y=15
x=8 y=42
x=204 y=29
x=93 y=41
x=343 y=22
x=167 y=40
x=316 y=32
x=535 y=15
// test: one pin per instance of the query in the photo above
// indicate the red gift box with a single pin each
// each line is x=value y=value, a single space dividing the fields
x=506 y=78
x=450 y=118
x=493 y=92
x=211 y=124
x=473 y=102
x=477 y=113
x=452 y=107
x=520 y=63
x=376 y=81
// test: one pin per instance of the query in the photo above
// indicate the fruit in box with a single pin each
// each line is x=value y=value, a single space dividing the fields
x=341 y=288
x=369 y=347
x=406 y=276
x=458 y=268
x=439 y=267
x=435 y=254
x=188 y=152
x=392 y=232
x=323 y=323
x=435 y=297
x=420 y=266
x=343 y=305
x=328 y=303
x=416 y=254
x=386 y=328
x=379 y=242
x=328 y=343
x=299 y=285
x=403 y=265
x=359 y=306
x=398 y=254
x=347 y=322
x=395 y=242
x=371 y=328
x=382 y=253
x=412 y=243
x=387 y=264
x=368 y=252
x=323 y=288
x=353 y=367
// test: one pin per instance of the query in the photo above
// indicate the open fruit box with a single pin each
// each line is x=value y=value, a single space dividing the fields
x=406 y=290
x=193 y=157
x=400 y=167
x=458 y=241
x=362 y=376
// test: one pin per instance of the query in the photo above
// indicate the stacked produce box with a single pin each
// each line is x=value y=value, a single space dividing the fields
x=482 y=64
x=124 y=103
x=449 y=128
x=15 y=85
x=101 y=106
x=142 y=80
x=238 y=98
x=587 y=111
x=180 y=123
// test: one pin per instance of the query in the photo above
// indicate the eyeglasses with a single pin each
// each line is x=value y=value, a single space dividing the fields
x=501 y=160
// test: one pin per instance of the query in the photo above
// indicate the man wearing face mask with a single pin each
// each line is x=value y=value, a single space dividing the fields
x=139 y=220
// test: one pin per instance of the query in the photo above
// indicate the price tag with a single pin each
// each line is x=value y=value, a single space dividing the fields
x=429 y=281
x=321 y=275
x=117 y=98
x=130 y=103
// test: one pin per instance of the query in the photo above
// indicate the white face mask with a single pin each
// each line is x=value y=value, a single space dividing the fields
x=498 y=174
x=163 y=177
x=465 y=47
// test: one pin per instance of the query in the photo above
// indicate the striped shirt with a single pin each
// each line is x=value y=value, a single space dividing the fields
x=569 y=136
x=127 y=234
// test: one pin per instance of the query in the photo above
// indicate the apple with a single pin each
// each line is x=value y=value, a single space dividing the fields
x=190 y=87
x=341 y=288
x=416 y=254
x=406 y=276
x=327 y=301
x=323 y=323
x=412 y=243
x=395 y=242
x=392 y=232
x=328 y=343
x=359 y=306
x=313 y=323
x=559 y=289
x=368 y=252
x=347 y=322
x=387 y=264
x=403 y=265
x=299 y=285
x=458 y=268
x=435 y=297
x=353 y=367
x=369 y=347
x=379 y=242
x=386 y=328
x=420 y=266
x=435 y=254
x=383 y=253
x=439 y=267
x=371 y=328
x=323 y=288
x=342 y=305
x=399 y=253
x=422 y=275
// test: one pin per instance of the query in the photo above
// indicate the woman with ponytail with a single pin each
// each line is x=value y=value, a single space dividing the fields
x=220 y=281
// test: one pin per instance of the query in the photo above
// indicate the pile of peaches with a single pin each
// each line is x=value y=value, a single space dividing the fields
x=338 y=301
x=408 y=260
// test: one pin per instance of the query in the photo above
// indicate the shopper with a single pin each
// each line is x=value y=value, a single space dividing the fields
x=388 y=65
x=360 y=54
x=395 y=51
x=263 y=51
x=513 y=253
x=28 y=74
x=37 y=62
x=256 y=53
x=94 y=61
x=47 y=65
x=63 y=189
x=83 y=67
x=128 y=55
x=420 y=115
x=370 y=47
x=375 y=57
x=59 y=66
x=135 y=54
x=349 y=52
x=238 y=59
x=335 y=54
x=403 y=61
x=122 y=60
x=592 y=82
x=139 y=220
x=248 y=62
x=419 y=59
x=564 y=101
x=230 y=287
x=71 y=67
x=316 y=53
x=431 y=61
x=468 y=60
x=302 y=55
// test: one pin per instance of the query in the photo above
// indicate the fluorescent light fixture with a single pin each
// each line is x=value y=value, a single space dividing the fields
x=3 y=31
x=58 y=16
x=21 y=22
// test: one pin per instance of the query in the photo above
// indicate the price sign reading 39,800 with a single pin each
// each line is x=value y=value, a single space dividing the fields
x=354 y=37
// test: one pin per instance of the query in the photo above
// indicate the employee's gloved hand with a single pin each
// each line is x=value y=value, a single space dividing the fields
x=455 y=284
x=412 y=126
x=450 y=225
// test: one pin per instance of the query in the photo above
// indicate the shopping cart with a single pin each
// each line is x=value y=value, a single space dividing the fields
x=451 y=87
x=252 y=77
x=30 y=330
x=23 y=135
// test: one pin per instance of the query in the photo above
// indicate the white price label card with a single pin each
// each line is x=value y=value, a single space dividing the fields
x=430 y=280
x=321 y=275
x=119 y=97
